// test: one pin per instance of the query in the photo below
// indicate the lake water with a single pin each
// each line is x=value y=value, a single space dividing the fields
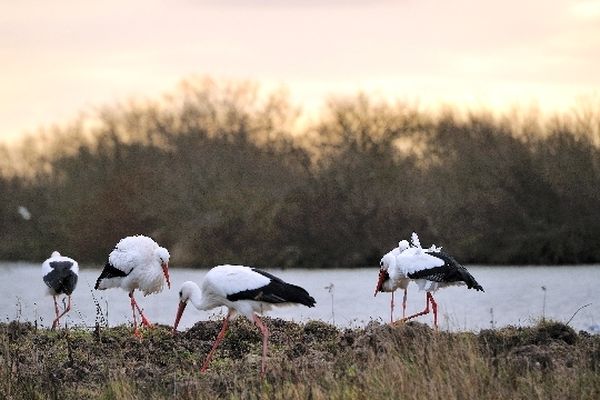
x=513 y=296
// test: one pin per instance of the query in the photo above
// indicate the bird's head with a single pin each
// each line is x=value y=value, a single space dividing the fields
x=386 y=262
x=163 y=258
x=185 y=293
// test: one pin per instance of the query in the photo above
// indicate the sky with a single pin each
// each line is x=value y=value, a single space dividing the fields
x=64 y=57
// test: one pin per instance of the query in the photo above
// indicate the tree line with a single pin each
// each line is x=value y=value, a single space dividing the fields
x=223 y=173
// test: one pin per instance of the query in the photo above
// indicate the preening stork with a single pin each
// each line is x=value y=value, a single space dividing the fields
x=431 y=269
x=60 y=275
x=394 y=281
x=244 y=290
x=137 y=262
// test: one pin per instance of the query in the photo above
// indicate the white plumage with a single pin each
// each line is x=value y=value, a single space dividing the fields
x=396 y=280
x=60 y=275
x=226 y=280
x=244 y=290
x=431 y=269
x=137 y=262
x=141 y=261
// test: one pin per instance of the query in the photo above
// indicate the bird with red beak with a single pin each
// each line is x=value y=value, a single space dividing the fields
x=389 y=283
x=137 y=262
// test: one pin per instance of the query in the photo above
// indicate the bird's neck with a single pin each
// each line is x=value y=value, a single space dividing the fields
x=197 y=299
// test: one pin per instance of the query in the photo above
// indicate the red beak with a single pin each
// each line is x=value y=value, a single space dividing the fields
x=180 y=310
x=165 y=268
x=383 y=276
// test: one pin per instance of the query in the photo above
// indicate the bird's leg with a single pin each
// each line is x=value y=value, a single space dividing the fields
x=136 y=331
x=218 y=340
x=55 y=322
x=392 y=309
x=425 y=311
x=434 y=308
x=66 y=310
x=56 y=310
x=265 y=334
x=404 y=303
x=145 y=321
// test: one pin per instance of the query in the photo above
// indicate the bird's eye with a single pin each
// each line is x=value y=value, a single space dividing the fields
x=180 y=293
x=381 y=263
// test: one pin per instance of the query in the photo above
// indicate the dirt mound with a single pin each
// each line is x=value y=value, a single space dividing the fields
x=78 y=363
x=543 y=334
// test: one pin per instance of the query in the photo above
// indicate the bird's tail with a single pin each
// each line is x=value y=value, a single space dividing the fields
x=297 y=294
x=105 y=280
x=470 y=281
x=98 y=283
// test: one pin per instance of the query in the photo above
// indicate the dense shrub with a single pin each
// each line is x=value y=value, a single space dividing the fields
x=224 y=173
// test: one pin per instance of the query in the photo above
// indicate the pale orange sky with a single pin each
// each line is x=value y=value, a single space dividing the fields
x=62 y=57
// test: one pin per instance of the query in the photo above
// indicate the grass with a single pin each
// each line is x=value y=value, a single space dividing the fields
x=306 y=361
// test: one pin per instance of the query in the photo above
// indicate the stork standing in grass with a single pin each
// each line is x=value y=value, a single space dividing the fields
x=60 y=275
x=244 y=290
x=137 y=262
x=431 y=269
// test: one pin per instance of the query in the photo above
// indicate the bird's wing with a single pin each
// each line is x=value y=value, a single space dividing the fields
x=236 y=282
x=415 y=259
x=226 y=280
x=123 y=260
x=108 y=272
x=49 y=265
x=449 y=271
x=276 y=291
x=460 y=273
x=60 y=277
x=46 y=268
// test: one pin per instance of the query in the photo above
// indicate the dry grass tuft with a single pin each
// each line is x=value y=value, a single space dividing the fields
x=313 y=360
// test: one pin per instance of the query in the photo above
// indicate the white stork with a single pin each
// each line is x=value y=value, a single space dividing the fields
x=137 y=262
x=431 y=269
x=60 y=275
x=396 y=281
x=244 y=290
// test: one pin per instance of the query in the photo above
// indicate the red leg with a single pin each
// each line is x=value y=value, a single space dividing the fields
x=66 y=310
x=425 y=311
x=218 y=340
x=136 y=331
x=145 y=321
x=265 y=334
x=55 y=322
x=392 y=309
x=404 y=303
x=434 y=308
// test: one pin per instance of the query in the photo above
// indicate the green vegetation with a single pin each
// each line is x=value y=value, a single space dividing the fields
x=313 y=360
x=219 y=173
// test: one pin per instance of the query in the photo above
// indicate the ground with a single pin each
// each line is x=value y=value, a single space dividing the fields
x=312 y=360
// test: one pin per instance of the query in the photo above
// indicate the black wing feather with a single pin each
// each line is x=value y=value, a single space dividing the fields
x=276 y=291
x=61 y=279
x=451 y=271
x=109 y=272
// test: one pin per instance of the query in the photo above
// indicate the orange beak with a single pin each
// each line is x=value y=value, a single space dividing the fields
x=180 y=310
x=165 y=268
x=383 y=276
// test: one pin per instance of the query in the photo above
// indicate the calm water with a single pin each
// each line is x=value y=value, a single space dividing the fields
x=513 y=296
